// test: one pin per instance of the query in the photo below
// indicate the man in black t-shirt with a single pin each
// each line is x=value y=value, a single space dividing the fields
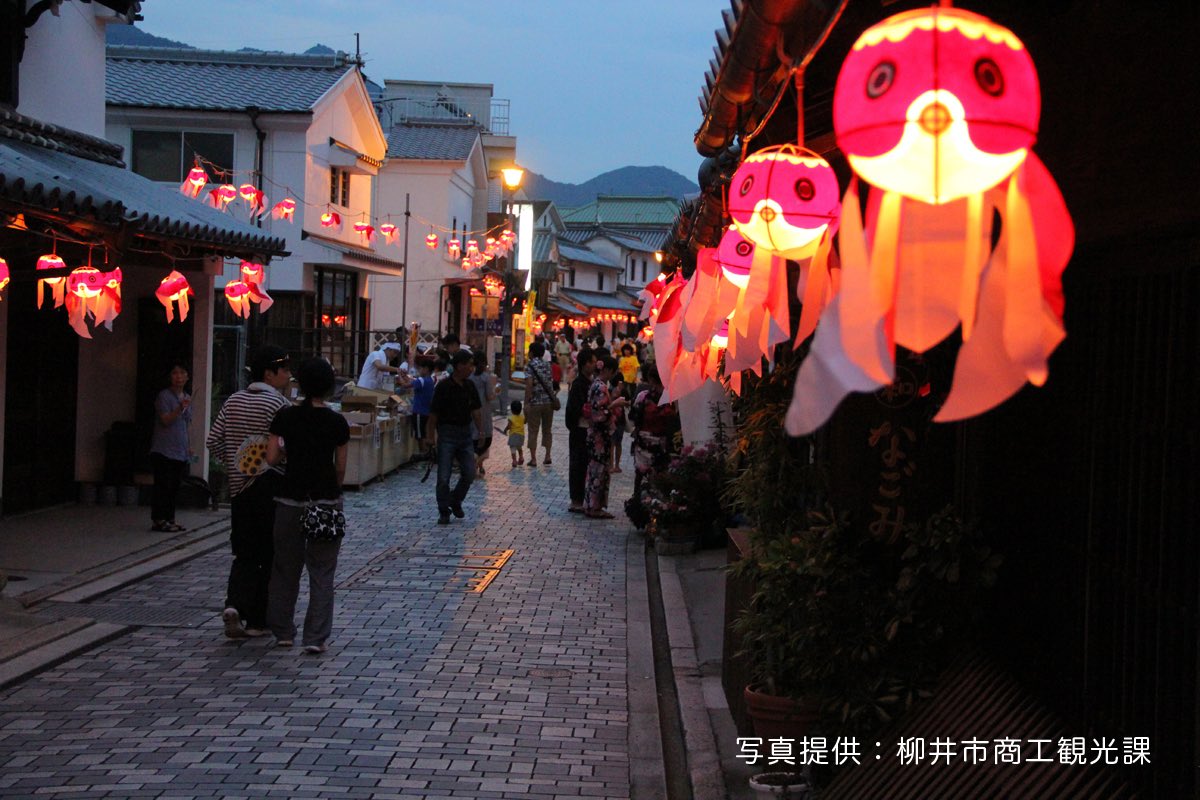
x=455 y=404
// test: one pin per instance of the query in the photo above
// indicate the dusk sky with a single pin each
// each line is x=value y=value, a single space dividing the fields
x=593 y=85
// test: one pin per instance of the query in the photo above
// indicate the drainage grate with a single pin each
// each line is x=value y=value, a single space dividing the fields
x=402 y=570
x=144 y=615
x=549 y=672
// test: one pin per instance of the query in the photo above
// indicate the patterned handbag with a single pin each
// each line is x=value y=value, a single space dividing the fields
x=323 y=522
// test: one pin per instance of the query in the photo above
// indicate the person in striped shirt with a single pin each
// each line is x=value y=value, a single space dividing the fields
x=238 y=438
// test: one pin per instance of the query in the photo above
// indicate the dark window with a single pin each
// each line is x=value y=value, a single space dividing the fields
x=632 y=267
x=643 y=270
x=339 y=187
x=600 y=281
x=168 y=155
x=572 y=276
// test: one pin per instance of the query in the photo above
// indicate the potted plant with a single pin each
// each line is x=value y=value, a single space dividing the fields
x=684 y=500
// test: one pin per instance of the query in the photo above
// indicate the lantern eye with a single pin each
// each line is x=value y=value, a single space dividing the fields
x=881 y=79
x=805 y=189
x=743 y=248
x=747 y=185
x=989 y=77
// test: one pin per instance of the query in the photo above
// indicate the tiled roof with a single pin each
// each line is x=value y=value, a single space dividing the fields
x=365 y=253
x=543 y=246
x=621 y=210
x=211 y=80
x=574 y=252
x=577 y=235
x=51 y=179
x=432 y=142
x=597 y=300
x=561 y=306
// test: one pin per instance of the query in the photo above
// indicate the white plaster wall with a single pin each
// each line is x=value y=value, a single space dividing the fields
x=62 y=71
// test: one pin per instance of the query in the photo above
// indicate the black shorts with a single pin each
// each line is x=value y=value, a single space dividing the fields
x=417 y=423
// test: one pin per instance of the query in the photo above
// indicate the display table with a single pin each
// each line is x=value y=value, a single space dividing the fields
x=362 y=457
x=389 y=457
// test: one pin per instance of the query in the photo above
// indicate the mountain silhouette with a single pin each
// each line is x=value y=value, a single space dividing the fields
x=637 y=181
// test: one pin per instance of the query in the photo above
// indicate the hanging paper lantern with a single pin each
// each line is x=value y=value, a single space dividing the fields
x=174 y=289
x=365 y=230
x=194 y=183
x=4 y=276
x=472 y=247
x=454 y=248
x=784 y=199
x=254 y=198
x=937 y=109
x=431 y=241
x=238 y=295
x=222 y=196
x=388 y=231
x=331 y=220
x=466 y=263
x=91 y=292
x=254 y=275
x=284 y=209
x=58 y=285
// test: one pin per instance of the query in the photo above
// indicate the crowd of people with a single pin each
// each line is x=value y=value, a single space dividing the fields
x=285 y=463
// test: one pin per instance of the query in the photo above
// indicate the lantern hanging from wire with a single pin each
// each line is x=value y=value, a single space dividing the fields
x=194 y=183
x=238 y=295
x=431 y=241
x=254 y=276
x=472 y=247
x=92 y=292
x=388 y=231
x=220 y=197
x=254 y=198
x=285 y=209
x=58 y=285
x=174 y=289
x=937 y=109
x=331 y=221
x=454 y=248
x=366 y=230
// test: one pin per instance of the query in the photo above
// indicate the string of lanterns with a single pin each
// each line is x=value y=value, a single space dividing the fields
x=937 y=110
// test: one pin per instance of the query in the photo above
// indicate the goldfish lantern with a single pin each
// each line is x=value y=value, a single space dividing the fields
x=222 y=196
x=937 y=109
x=365 y=230
x=666 y=332
x=238 y=295
x=431 y=241
x=454 y=248
x=91 y=292
x=174 y=289
x=194 y=183
x=650 y=294
x=284 y=209
x=331 y=220
x=4 y=275
x=466 y=263
x=58 y=286
x=253 y=275
x=784 y=199
x=254 y=198
x=388 y=231
x=472 y=247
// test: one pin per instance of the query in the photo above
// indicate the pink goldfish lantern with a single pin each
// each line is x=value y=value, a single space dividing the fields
x=388 y=231
x=174 y=289
x=454 y=248
x=254 y=198
x=4 y=275
x=222 y=196
x=58 y=285
x=937 y=109
x=366 y=230
x=331 y=220
x=238 y=295
x=431 y=241
x=91 y=292
x=254 y=275
x=472 y=247
x=285 y=209
x=194 y=183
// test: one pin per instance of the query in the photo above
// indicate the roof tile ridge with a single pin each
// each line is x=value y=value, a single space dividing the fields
x=124 y=52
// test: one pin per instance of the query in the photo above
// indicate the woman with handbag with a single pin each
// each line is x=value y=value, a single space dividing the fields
x=540 y=403
x=309 y=524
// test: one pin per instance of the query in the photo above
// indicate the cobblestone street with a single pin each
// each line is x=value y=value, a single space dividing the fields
x=429 y=689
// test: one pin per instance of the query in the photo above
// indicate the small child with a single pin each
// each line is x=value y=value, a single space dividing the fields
x=516 y=433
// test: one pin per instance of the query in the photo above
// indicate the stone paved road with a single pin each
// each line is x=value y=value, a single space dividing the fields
x=429 y=689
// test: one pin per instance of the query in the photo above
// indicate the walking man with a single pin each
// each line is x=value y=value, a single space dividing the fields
x=577 y=429
x=238 y=438
x=455 y=404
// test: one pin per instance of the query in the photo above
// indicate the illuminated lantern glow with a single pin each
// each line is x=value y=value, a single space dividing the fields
x=431 y=241
x=650 y=294
x=220 y=197
x=254 y=198
x=285 y=209
x=58 y=286
x=366 y=230
x=174 y=289
x=472 y=247
x=666 y=333
x=254 y=275
x=937 y=109
x=194 y=183
x=93 y=293
x=388 y=231
x=454 y=249
x=331 y=220
x=238 y=295
x=783 y=199
x=5 y=277
x=466 y=264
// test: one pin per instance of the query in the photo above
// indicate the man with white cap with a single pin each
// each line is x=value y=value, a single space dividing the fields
x=378 y=364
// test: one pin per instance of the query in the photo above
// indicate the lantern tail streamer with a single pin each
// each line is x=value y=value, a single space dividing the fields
x=813 y=288
x=699 y=314
x=174 y=288
x=866 y=282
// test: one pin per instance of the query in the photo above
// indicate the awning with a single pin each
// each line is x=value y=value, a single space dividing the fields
x=355 y=256
x=598 y=301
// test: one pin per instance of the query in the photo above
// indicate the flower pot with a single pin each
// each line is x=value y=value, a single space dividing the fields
x=776 y=717
x=781 y=784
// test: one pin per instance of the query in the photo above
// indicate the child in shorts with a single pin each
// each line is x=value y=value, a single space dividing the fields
x=516 y=433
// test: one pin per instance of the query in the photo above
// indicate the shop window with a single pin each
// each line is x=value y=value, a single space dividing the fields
x=643 y=270
x=600 y=281
x=168 y=155
x=336 y=318
x=339 y=187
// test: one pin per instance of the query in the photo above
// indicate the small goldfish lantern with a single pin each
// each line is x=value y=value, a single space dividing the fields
x=472 y=247
x=93 y=293
x=783 y=199
x=366 y=230
x=454 y=248
x=388 y=231
x=174 y=289
x=4 y=275
x=466 y=263
x=253 y=197
x=285 y=209
x=58 y=285
x=222 y=196
x=937 y=109
x=194 y=183
x=431 y=241
x=254 y=275
x=238 y=295
x=331 y=220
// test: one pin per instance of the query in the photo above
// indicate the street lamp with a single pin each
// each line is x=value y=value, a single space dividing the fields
x=512 y=180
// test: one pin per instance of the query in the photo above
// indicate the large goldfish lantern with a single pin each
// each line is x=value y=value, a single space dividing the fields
x=4 y=276
x=174 y=289
x=91 y=292
x=937 y=109
x=785 y=201
x=194 y=183
x=254 y=275
x=238 y=295
x=284 y=209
